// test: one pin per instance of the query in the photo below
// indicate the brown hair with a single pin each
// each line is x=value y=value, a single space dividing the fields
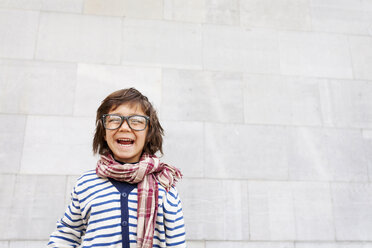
x=154 y=138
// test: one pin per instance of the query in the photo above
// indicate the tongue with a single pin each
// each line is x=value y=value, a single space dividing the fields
x=125 y=142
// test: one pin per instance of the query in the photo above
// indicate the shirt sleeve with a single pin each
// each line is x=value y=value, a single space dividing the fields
x=173 y=220
x=70 y=228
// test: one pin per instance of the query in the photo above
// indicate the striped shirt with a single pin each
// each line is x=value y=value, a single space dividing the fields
x=93 y=218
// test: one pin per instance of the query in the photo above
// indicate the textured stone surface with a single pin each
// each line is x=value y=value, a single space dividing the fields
x=67 y=141
x=352 y=211
x=80 y=38
x=313 y=211
x=282 y=100
x=74 y=6
x=283 y=14
x=333 y=245
x=185 y=10
x=152 y=9
x=314 y=54
x=222 y=12
x=29 y=87
x=33 y=205
x=238 y=49
x=27 y=244
x=361 y=53
x=96 y=82
x=162 y=43
x=271 y=211
x=245 y=151
x=185 y=149
x=349 y=17
x=215 y=209
x=327 y=154
x=12 y=129
x=347 y=103
x=4 y=244
x=195 y=244
x=251 y=244
x=19 y=40
x=202 y=96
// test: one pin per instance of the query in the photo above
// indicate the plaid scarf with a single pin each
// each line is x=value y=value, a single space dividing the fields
x=147 y=173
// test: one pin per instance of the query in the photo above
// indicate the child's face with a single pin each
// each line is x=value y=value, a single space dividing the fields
x=126 y=151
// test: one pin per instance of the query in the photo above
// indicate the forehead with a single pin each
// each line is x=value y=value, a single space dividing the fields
x=128 y=108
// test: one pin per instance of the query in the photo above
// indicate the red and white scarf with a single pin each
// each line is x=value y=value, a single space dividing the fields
x=147 y=173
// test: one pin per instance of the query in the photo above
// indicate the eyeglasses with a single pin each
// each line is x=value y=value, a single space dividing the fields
x=135 y=122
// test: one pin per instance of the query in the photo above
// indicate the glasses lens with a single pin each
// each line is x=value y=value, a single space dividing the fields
x=137 y=122
x=112 y=121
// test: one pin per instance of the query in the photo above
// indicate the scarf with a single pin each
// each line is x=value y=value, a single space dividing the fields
x=147 y=173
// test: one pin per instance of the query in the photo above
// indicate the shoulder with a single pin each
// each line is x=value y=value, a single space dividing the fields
x=87 y=179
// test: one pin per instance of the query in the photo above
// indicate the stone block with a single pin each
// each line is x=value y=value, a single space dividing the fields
x=4 y=244
x=327 y=155
x=361 y=53
x=282 y=100
x=73 y=6
x=313 y=211
x=202 y=96
x=185 y=10
x=333 y=245
x=195 y=244
x=184 y=147
x=11 y=142
x=79 y=38
x=222 y=12
x=215 y=209
x=29 y=87
x=271 y=211
x=22 y=4
x=96 y=82
x=145 y=9
x=367 y=138
x=18 y=41
x=347 y=17
x=347 y=103
x=58 y=145
x=282 y=14
x=315 y=55
x=28 y=244
x=352 y=211
x=248 y=244
x=245 y=151
x=239 y=49
x=36 y=204
x=162 y=43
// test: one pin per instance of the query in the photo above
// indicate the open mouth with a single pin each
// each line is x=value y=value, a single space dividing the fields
x=125 y=142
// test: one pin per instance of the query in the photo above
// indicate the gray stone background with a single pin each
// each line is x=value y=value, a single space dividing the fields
x=266 y=104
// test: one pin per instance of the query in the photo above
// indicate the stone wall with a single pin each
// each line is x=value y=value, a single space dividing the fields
x=266 y=105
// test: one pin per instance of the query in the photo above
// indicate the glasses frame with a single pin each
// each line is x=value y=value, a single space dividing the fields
x=126 y=118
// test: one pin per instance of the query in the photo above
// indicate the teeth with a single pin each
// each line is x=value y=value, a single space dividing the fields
x=125 y=139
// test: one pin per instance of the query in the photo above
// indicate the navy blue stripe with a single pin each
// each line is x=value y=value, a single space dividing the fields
x=68 y=217
x=171 y=212
x=132 y=217
x=71 y=226
x=177 y=227
x=64 y=238
x=100 y=196
x=133 y=233
x=175 y=220
x=173 y=204
x=104 y=219
x=87 y=181
x=88 y=173
x=161 y=240
x=103 y=236
x=103 y=244
x=162 y=232
x=106 y=210
x=175 y=236
x=95 y=192
x=69 y=233
x=178 y=243
x=105 y=202
x=90 y=187
x=102 y=227
x=73 y=213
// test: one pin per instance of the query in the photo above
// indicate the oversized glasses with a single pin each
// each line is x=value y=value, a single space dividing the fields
x=135 y=122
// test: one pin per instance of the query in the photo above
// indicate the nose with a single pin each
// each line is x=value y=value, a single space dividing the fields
x=124 y=126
